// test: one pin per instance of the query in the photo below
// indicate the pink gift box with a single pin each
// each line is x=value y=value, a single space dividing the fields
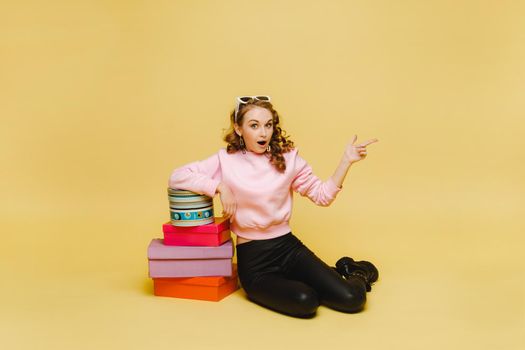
x=190 y=268
x=159 y=251
x=189 y=261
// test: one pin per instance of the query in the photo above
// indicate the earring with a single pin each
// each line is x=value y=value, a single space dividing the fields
x=241 y=141
x=269 y=149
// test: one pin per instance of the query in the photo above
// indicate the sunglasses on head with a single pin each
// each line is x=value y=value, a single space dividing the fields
x=247 y=99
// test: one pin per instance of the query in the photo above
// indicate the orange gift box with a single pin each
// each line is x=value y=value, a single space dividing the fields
x=212 y=288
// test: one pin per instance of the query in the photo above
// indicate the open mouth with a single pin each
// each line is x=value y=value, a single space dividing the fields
x=262 y=143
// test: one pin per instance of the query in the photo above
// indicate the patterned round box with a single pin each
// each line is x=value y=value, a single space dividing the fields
x=189 y=208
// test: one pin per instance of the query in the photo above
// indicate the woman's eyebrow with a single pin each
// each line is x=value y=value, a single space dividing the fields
x=253 y=120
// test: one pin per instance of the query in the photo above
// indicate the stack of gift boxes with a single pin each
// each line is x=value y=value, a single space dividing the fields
x=194 y=260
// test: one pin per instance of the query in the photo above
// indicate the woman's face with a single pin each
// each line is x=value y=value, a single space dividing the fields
x=256 y=129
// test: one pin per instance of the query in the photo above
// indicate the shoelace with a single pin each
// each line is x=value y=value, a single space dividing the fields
x=362 y=275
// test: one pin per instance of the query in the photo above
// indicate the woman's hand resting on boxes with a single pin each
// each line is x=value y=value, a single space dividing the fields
x=227 y=200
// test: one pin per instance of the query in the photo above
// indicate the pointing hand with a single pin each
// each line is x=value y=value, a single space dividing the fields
x=355 y=153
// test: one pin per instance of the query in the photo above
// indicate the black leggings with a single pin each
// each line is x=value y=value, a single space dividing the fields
x=282 y=274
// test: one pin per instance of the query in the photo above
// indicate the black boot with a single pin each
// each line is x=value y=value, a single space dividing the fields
x=364 y=270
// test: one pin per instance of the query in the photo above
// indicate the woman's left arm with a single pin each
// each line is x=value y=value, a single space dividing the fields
x=353 y=153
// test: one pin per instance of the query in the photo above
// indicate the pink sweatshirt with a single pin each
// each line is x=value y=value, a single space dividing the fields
x=263 y=195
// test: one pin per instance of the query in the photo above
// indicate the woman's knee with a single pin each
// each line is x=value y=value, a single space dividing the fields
x=351 y=299
x=297 y=303
x=305 y=303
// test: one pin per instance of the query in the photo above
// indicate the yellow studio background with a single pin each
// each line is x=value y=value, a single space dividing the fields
x=101 y=100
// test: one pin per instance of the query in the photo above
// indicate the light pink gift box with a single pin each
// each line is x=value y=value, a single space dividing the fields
x=189 y=261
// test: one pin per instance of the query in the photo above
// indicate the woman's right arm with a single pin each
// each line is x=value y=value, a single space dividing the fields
x=204 y=177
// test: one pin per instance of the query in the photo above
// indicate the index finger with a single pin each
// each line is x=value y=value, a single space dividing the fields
x=366 y=143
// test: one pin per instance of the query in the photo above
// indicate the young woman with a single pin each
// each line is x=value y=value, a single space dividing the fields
x=255 y=177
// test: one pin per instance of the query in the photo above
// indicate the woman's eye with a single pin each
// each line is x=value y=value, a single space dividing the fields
x=253 y=126
x=268 y=125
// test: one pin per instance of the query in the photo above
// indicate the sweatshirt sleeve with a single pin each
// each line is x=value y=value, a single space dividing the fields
x=201 y=177
x=307 y=184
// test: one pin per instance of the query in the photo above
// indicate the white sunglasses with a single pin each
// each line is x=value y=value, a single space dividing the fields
x=247 y=99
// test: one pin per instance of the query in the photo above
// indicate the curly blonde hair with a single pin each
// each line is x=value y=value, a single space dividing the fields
x=279 y=142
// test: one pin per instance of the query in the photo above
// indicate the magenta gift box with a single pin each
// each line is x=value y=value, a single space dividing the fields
x=213 y=234
x=219 y=225
x=189 y=261
x=196 y=239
